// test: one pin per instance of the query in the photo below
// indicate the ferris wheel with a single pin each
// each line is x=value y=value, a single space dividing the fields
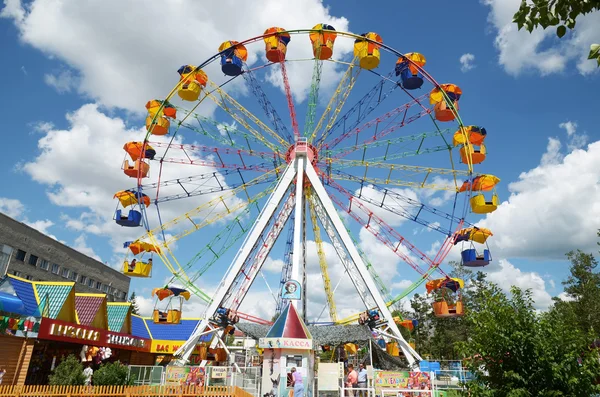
x=387 y=149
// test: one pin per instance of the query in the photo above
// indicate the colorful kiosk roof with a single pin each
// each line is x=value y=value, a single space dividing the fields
x=58 y=301
x=289 y=325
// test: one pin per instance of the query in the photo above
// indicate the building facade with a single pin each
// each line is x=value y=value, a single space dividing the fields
x=29 y=254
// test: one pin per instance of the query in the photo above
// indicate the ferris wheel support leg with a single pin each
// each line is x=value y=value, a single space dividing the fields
x=184 y=352
x=298 y=254
x=411 y=355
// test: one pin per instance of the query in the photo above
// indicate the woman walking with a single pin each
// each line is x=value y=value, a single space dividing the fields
x=297 y=383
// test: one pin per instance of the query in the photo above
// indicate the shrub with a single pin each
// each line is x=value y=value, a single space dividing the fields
x=68 y=372
x=112 y=374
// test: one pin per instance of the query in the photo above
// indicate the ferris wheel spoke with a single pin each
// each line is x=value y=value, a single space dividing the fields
x=337 y=101
x=322 y=260
x=246 y=118
x=401 y=113
x=406 y=207
x=346 y=260
x=391 y=147
x=396 y=174
x=176 y=269
x=223 y=240
x=313 y=97
x=203 y=184
x=239 y=154
x=267 y=106
x=253 y=266
x=211 y=206
x=223 y=134
x=290 y=99
x=369 y=102
x=380 y=229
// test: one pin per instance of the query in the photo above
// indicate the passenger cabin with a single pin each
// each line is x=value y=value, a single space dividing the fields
x=276 y=42
x=471 y=258
x=191 y=82
x=409 y=74
x=137 y=169
x=137 y=268
x=368 y=52
x=479 y=205
x=477 y=154
x=133 y=218
x=322 y=42
x=233 y=56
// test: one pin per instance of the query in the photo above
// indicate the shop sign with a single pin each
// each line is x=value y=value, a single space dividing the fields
x=170 y=346
x=401 y=380
x=218 y=372
x=68 y=332
x=285 y=343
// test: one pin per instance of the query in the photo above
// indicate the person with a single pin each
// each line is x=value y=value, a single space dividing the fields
x=297 y=383
x=351 y=380
x=362 y=380
x=290 y=291
x=88 y=372
x=132 y=265
x=2 y=372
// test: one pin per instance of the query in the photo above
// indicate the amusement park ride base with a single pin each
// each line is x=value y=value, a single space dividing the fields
x=300 y=158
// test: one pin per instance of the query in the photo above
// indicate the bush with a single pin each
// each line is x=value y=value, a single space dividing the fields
x=112 y=374
x=68 y=372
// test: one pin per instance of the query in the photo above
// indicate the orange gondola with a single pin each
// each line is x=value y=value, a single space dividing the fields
x=447 y=296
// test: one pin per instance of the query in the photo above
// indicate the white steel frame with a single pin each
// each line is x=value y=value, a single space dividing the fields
x=297 y=170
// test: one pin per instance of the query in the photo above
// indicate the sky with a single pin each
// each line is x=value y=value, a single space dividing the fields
x=77 y=77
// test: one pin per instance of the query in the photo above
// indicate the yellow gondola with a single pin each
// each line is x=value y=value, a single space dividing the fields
x=171 y=313
x=137 y=268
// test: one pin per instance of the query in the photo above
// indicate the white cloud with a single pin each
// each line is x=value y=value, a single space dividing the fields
x=575 y=140
x=569 y=126
x=541 y=50
x=125 y=65
x=508 y=275
x=11 y=207
x=402 y=285
x=63 y=81
x=467 y=62
x=81 y=168
x=552 y=209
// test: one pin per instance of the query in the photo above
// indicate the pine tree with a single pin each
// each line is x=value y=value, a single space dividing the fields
x=134 y=306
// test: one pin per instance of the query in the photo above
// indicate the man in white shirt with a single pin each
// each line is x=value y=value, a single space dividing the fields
x=88 y=372
x=362 y=380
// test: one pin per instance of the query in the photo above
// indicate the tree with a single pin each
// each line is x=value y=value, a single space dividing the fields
x=68 y=372
x=583 y=287
x=564 y=13
x=513 y=351
x=112 y=374
x=134 y=306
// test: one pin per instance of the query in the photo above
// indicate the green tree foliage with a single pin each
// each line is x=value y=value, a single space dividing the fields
x=134 y=306
x=560 y=13
x=112 y=374
x=583 y=287
x=514 y=351
x=68 y=372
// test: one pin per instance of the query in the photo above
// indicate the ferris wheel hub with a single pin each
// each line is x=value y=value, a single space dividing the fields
x=302 y=149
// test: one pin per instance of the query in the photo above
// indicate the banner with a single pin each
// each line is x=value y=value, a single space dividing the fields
x=402 y=380
x=184 y=376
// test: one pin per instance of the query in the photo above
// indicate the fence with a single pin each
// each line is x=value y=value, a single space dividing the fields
x=122 y=391
x=143 y=375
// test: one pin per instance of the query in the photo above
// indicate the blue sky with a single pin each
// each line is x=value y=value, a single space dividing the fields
x=75 y=90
